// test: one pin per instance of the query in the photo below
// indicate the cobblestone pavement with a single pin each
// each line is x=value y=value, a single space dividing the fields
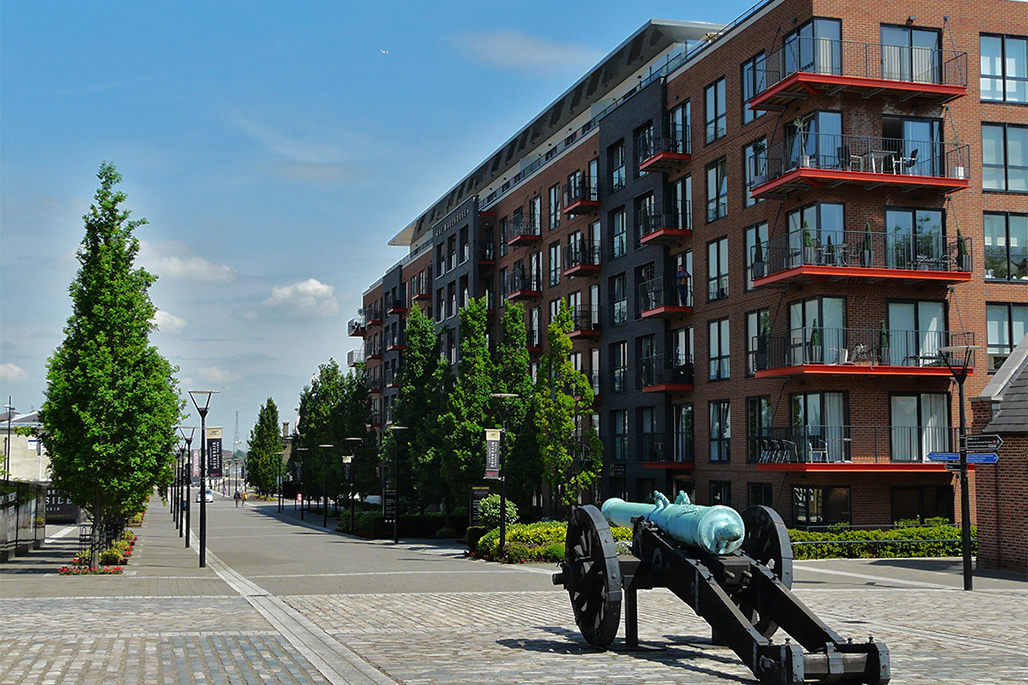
x=167 y=622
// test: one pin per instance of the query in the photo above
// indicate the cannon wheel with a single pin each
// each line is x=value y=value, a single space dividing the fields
x=593 y=576
x=766 y=541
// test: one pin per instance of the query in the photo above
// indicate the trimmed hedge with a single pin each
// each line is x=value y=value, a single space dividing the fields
x=372 y=524
x=920 y=541
x=542 y=541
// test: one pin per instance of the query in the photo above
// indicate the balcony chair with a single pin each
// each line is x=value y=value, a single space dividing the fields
x=847 y=158
x=817 y=450
x=905 y=164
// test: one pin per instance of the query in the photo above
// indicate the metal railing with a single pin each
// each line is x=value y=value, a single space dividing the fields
x=354 y=357
x=867 y=60
x=355 y=326
x=660 y=369
x=524 y=226
x=372 y=313
x=862 y=249
x=650 y=221
x=519 y=281
x=582 y=253
x=585 y=318
x=832 y=444
x=876 y=155
x=874 y=347
x=584 y=188
x=654 y=293
x=650 y=142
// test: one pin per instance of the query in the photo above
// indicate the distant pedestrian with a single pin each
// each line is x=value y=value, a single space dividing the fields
x=237 y=498
x=244 y=498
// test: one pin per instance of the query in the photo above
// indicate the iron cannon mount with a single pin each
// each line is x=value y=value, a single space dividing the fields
x=745 y=596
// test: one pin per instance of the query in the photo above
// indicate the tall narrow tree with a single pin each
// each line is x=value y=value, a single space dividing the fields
x=264 y=458
x=111 y=401
x=464 y=423
x=571 y=453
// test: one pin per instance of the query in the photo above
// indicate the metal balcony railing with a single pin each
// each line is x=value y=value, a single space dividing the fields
x=835 y=444
x=874 y=347
x=585 y=318
x=862 y=249
x=533 y=337
x=519 y=281
x=355 y=357
x=893 y=157
x=658 y=370
x=582 y=253
x=651 y=142
x=676 y=219
x=522 y=226
x=654 y=293
x=355 y=326
x=867 y=60
x=583 y=189
x=372 y=314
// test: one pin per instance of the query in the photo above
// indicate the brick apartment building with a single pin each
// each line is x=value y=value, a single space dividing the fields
x=766 y=231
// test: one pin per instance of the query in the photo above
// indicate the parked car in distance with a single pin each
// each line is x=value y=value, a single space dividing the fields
x=209 y=496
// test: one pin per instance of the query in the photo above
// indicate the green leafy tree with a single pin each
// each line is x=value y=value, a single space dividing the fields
x=264 y=458
x=111 y=401
x=353 y=420
x=571 y=454
x=464 y=423
x=321 y=423
x=513 y=374
x=422 y=393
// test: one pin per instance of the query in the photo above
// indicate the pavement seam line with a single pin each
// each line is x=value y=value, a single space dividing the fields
x=302 y=633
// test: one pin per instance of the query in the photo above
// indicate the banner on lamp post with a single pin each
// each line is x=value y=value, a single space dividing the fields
x=214 y=467
x=492 y=453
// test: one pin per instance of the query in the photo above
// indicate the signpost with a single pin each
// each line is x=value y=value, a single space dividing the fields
x=972 y=457
x=492 y=454
x=983 y=443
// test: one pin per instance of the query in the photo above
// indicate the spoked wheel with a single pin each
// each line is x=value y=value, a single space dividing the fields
x=766 y=541
x=592 y=576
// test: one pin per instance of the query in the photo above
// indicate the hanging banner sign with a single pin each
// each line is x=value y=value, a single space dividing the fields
x=492 y=454
x=214 y=452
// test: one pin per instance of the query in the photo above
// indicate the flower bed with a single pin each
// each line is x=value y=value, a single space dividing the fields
x=80 y=571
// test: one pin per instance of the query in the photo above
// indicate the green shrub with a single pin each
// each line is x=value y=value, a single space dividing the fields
x=472 y=535
x=489 y=511
x=919 y=541
x=446 y=533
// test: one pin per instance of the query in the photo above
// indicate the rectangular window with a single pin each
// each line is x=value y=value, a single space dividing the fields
x=619 y=426
x=820 y=506
x=754 y=157
x=619 y=298
x=680 y=203
x=760 y=495
x=919 y=425
x=915 y=239
x=504 y=288
x=1006 y=246
x=619 y=244
x=679 y=127
x=1007 y=324
x=718 y=341
x=721 y=493
x=1005 y=158
x=554 y=205
x=917 y=329
x=758 y=337
x=616 y=163
x=916 y=503
x=717 y=269
x=555 y=263
x=535 y=214
x=465 y=246
x=716 y=112
x=815 y=47
x=819 y=431
x=619 y=366
x=717 y=190
x=685 y=439
x=911 y=54
x=817 y=330
x=683 y=278
x=753 y=83
x=812 y=229
x=504 y=236
x=1004 y=68
x=756 y=253
x=758 y=424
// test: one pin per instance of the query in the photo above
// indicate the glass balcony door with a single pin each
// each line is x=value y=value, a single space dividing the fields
x=910 y=54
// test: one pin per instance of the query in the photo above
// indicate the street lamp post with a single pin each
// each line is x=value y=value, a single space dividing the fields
x=7 y=446
x=503 y=396
x=324 y=484
x=187 y=477
x=203 y=396
x=349 y=479
x=396 y=483
x=959 y=372
x=302 y=492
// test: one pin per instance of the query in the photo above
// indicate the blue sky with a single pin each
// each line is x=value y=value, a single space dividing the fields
x=274 y=149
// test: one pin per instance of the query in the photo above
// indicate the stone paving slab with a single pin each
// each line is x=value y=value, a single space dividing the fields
x=934 y=636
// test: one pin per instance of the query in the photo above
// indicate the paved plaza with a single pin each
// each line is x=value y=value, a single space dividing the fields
x=285 y=601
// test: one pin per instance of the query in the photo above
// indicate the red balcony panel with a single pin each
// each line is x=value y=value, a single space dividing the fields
x=804 y=178
x=666 y=311
x=665 y=236
x=524 y=294
x=857 y=467
x=663 y=162
x=852 y=369
x=802 y=85
x=668 y=387
x=582 y=270
x=584 y=333
x=582 y=207
x=523 y=240
x=810 y=272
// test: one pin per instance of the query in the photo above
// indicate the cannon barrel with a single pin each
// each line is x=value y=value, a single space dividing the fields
x=716 y=530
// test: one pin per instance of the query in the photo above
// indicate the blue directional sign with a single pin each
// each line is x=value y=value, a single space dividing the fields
x=943 y=456
x=982 y=458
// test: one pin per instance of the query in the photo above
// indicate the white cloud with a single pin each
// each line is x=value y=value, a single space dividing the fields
x=174 y=260
x=216 y=375
x=12 y=372
x=304 y=300
x=520 y=52
x=169 y=323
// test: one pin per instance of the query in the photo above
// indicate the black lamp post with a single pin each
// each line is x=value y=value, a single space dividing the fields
x=7 y=446
x=324 y=484
x=396 y=482
x=280 y=477
x=187 y=477
x=204 y=396
x=302 y=493
x=964 y=354
x=349 y=478
x=503 y=396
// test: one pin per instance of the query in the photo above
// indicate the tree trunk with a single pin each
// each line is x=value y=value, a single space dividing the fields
x=96 y=538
